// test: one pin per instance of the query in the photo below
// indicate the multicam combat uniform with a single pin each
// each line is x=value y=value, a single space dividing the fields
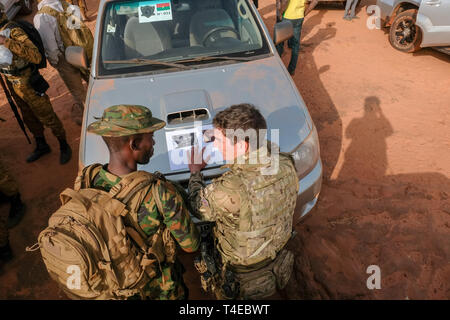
x=37 y=110
x=253 y=211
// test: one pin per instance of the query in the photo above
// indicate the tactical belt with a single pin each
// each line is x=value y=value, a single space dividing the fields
x=15 y=72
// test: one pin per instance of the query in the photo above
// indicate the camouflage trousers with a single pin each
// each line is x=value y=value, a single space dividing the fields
x=8 y=186
x=37 y=111
x=72 y=77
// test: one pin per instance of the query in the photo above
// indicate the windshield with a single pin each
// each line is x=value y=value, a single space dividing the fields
x=159 y=35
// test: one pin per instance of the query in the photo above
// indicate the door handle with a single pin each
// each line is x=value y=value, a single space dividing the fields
x=433 y=2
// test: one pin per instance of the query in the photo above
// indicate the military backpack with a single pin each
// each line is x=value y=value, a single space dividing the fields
x=93 y=246
x=73 y=31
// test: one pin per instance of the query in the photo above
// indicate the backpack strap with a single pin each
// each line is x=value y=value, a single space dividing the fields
x=87 y=175
x=50 y=11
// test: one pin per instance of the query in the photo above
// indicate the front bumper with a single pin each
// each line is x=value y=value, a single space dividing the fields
x=310 y=187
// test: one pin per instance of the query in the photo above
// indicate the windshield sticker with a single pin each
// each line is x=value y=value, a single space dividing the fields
x=158 y=10
x=110 y=29
x=180 y=142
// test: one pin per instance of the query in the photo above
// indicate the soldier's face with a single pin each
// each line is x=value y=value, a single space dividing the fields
x=227 y=148
x=144 y=150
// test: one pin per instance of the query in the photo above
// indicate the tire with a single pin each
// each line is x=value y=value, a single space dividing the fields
x=404 y=35
x=26 y=7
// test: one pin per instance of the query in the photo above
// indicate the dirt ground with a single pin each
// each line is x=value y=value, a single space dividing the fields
x=383 y=121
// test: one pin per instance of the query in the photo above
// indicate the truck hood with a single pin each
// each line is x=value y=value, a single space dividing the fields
x=264 y=83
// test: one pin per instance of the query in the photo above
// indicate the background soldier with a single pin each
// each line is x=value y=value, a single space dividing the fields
x=253 y=211
x=9 y=192
x=47 y=25
x=128 y=132
x=36 y=109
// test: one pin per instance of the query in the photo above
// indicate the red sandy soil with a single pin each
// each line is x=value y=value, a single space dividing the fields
x=385 y=195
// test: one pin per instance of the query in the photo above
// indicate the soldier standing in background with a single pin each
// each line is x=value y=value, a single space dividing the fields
x=252 y=208
x=36 y=108
x=46 y=23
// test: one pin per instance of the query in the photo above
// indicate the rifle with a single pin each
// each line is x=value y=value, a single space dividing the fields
x=14 y=108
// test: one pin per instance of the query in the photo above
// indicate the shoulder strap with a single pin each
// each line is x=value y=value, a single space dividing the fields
x=88 y=173
x=50 y=11
x=131 y=185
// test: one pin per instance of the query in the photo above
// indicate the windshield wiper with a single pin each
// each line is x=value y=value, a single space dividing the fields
x=215 y=58
x=148 y=62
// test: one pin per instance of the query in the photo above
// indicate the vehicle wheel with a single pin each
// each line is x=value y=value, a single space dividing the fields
x=26 y=7
x=404 y=35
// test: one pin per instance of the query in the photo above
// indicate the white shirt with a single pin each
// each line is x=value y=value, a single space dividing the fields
x=48 y=29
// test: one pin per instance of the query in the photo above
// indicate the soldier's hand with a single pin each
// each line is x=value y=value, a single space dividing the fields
x=195 y=160
x=2 y=40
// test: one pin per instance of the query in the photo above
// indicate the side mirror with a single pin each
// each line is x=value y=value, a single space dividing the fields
x=76 y=56
x=283 y=31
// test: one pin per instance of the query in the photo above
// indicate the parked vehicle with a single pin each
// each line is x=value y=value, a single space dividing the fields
x=186 y=61
x=416 y=24
x=13 y=7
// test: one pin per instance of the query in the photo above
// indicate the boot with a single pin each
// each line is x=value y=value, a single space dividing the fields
x=66 y=151
x=5 y=253
x=16 y=211
x=42 y=148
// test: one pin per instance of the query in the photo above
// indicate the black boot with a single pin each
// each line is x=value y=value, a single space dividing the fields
x=5 y=253
x=42 y=148
x=66 y=152
x=16 y=211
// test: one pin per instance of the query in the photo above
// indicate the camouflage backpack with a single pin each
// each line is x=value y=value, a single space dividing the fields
x=73 y=31
x=94 y=247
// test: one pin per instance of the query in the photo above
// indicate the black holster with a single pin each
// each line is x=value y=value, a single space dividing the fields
x=38 y=83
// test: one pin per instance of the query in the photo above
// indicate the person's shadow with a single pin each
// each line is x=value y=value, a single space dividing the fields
x=368 y=141
x=366 y=218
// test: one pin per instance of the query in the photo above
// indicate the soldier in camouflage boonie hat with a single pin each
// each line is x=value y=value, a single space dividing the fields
x=125 y=120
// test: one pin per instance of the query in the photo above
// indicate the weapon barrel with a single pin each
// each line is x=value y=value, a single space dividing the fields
x=14 y=108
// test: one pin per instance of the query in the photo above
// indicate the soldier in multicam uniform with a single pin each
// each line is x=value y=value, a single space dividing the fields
x=252 y=207
x=128 y=132
x=37 y=110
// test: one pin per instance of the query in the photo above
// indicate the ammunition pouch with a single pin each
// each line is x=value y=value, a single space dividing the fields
x=254 y=282
x=38 y=83
x=265 y=281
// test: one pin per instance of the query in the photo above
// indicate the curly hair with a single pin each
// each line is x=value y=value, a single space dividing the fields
x=242 y=116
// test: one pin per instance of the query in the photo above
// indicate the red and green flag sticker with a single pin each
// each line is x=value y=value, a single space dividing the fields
x=163 y=6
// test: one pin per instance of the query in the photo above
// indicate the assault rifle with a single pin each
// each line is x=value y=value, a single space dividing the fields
x=13 y=106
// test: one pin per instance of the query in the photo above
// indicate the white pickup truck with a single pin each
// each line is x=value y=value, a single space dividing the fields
x=415 y=24
x=13 y=7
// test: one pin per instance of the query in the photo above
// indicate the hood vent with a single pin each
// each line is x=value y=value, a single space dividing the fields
x=188 y=116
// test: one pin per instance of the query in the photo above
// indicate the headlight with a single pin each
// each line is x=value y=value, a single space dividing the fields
x=307 y=154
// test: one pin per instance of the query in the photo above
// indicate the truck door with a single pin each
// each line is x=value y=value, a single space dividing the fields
x=434 y=20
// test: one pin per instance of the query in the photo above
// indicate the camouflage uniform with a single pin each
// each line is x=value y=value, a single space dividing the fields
x=253 y=212
x=127 y=120
x=37 y=110
x=8 y=186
